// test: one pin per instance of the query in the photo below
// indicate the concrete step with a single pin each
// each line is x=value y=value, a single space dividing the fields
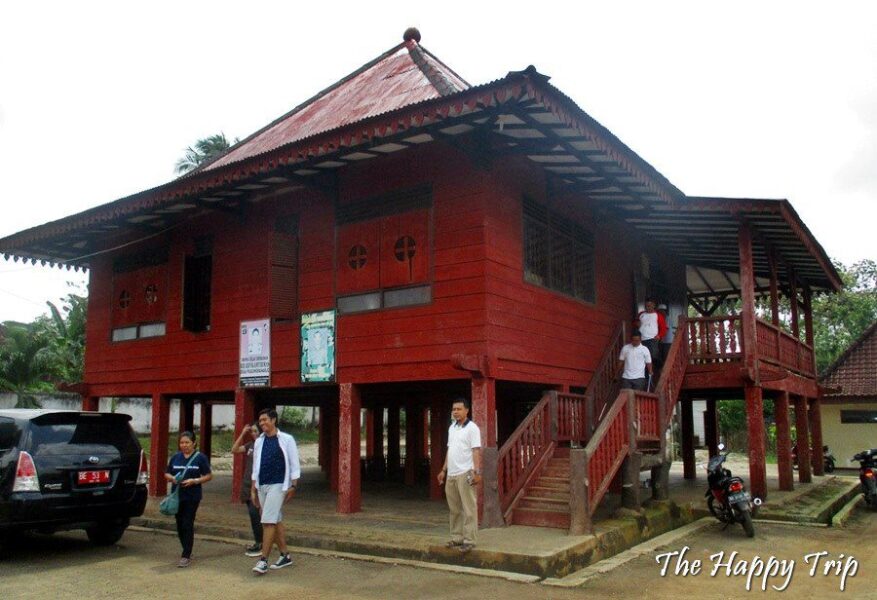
x=541 y=518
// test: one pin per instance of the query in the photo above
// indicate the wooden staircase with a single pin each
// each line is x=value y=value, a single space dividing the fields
x=543 y=482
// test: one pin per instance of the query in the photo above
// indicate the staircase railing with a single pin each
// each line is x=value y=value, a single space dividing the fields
x=528 y=445
x=604 y=384
x=673 y=374
x=607 y=449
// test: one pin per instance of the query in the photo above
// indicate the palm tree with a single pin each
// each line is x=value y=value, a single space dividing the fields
x=204 y=150
x=26 y=359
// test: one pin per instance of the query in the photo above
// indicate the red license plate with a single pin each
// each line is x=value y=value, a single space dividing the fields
x=93 y=477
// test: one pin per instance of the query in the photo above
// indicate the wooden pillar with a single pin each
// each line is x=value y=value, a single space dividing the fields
x=91 y=403
x=755 y=427
x=244 y=415
x=161 y=409
x=747 y=296
x=711 y=427
x=349 y=407
x=394 y=454
x=413 y=423
x=688 y=467
x=321 y=439
x=369 y=434
x=424 y=431
x=438 y=418
x=784 y=442
x=187 y=415
x=206 y=440
x=774 y=291
x=816 y=455
x=808 y=315
x=333 y=447
x=579 y=508
x=630 y=468
x=484 y=408
x=378 y=464
x=802 y=427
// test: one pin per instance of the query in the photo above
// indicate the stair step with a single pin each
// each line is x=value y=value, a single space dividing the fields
x=539 y=503
x=561 y=453
x=552 y=484
x=541 y=518
x=552 y=471
x=547 y=492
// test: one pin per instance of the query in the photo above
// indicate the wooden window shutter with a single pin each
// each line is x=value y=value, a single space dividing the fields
x=283 y=303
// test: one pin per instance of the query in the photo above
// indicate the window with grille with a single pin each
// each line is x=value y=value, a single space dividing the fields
x=558 y=254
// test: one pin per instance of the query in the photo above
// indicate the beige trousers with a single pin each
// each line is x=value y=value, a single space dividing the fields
x=463 y=503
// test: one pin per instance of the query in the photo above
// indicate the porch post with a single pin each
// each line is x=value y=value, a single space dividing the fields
x=321 y=438
x=349 y=492
x=378 y=466
x=755 y=427
x=413 y=422
x=579 y=506
x=774 y=290
x=784 y=442
x=161 y=408
x=711 y=427
x=816 y=457
x=802 y=426
x=393 y=451
x=688 y=468
x=206 y=428
x=332 y=445
x=438 y=418
x=484 y=409
x=808 y=315
x=747 y=295
x=793 y=298
x=630 y=468
x=187 y=415
x=244 y=413
x=91 y=403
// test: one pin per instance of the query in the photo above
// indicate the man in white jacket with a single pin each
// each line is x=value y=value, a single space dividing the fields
x=276 y=472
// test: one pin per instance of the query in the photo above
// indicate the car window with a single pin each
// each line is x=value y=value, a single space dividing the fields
x=73 y=433
x=9 y=434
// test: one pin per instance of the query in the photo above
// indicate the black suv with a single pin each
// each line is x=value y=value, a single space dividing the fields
x=70 y=470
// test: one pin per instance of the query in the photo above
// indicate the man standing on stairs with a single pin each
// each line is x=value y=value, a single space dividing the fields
x=637 y=360
x=463 y=470
x=653 y=327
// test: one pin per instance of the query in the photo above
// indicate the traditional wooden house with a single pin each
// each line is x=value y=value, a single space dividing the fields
x=849 y=409
x=403 y=238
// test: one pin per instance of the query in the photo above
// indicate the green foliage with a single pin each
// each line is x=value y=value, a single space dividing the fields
x=204 y=150
x=839 y=319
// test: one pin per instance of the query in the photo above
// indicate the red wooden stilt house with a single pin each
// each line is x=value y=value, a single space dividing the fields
x=451 y=240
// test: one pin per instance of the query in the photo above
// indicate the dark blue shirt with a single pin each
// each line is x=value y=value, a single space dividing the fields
x=199 y=467
x=272 y=466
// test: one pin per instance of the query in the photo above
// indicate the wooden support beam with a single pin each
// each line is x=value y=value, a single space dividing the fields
x=244 y=416
x=688 y=466
x=438 y=418
x=349 y=489
x=91 y=403
x=774 y=291
x=161 y=409
x=793 y=300
x=711 y=427
x=206 y=438
x=580 y=511
x=377 y=463
x=187 y=415
x=394 y=453
x=802 y=429
x=747 y=295
x=757 y=450
x=784 y=442
x=808 y=316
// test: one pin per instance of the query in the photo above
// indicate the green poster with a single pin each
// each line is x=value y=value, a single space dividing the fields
x=318 y=346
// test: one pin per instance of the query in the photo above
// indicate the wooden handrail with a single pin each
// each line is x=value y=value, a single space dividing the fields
x=524 y=449
x=607 y=449
x=783 y=349
x=604 y=382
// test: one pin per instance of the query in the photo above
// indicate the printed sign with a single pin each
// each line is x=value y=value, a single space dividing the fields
x=255 y=356
x=318 y=346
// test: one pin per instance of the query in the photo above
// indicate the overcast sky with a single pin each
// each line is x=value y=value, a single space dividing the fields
x=775 y=100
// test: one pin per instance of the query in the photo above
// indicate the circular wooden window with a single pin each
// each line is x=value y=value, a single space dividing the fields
x=151 y=293
x=357 y=257
x=124 y=299
x=405 y=248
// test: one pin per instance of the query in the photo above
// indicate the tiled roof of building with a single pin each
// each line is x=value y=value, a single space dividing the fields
x=854 y=374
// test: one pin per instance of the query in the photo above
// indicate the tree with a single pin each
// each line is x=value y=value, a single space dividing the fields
x=839 y=319
x=26 y=362
x=205 y=149
x=67 y=335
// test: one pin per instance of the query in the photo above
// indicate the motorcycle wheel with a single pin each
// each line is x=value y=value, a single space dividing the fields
x=710 y=503
x=746 y=521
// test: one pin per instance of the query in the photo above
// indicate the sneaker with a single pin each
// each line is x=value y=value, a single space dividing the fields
x=184 y=562
x=261 y=567
x=283 y=561
x=254 y=550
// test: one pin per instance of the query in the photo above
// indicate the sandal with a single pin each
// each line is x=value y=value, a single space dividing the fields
x=453 y=544
x=466 y=547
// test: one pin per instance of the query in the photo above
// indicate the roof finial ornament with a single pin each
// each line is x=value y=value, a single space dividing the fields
x=412 y=33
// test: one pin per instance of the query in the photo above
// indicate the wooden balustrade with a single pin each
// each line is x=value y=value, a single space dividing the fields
x=673 y=372
x=714 y=339
x=607 y=450
x=780 y=348
x=524 y=449
x=571 y=418
x=604 y=384
x=648 y=417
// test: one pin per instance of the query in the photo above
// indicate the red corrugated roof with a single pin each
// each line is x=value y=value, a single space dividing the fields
x=855 y=371
x=405 y=75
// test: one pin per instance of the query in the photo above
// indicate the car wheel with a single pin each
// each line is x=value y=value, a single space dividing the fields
x=106 y=534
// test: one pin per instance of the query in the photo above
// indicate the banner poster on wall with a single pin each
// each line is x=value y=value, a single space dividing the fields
x=318 y=346
x=255 y=356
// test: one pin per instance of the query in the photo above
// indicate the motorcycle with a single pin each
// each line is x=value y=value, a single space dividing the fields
x=827 y=458
x=867 y=460
x=727 y=498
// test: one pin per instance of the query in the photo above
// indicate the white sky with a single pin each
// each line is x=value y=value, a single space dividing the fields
x=777 y=100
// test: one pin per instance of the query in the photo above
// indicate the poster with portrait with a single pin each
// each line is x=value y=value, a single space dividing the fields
x=255 y=353
x=318 y=346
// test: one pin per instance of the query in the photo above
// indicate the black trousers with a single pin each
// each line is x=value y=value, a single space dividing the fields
x=654 y=347
x=255 y=521
x=186 y=525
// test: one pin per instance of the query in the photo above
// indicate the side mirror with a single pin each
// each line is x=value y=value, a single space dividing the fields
x=721 y=447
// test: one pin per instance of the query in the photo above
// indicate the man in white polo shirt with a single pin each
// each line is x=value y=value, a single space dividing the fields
x=463 y=471
x=637 y=359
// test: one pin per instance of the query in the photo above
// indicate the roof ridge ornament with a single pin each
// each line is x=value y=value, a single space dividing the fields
x=412 y=33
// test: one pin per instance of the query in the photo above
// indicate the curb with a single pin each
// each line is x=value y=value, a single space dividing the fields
x=840 y=519
x=460 y=570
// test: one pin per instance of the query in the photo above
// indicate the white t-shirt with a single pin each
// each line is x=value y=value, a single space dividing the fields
x=461 y=441
x=648 y=325
x=635 y=360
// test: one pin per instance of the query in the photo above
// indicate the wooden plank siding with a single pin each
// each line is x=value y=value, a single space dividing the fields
x=480 y=302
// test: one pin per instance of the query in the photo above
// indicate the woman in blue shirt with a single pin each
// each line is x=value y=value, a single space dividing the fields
x=190 y=477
